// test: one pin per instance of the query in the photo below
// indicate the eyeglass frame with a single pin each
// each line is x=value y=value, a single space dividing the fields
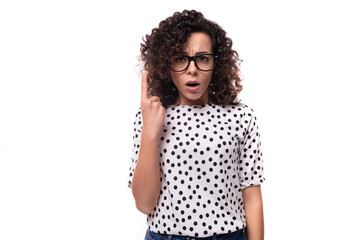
x=192 y=58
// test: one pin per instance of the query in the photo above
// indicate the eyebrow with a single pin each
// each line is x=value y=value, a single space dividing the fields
x=198 y=53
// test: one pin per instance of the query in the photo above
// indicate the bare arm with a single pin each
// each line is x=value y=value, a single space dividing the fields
x=146 y=180
x=145 y=184
x=254 y=213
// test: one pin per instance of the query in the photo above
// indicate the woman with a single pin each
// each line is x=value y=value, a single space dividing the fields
x=197 y=163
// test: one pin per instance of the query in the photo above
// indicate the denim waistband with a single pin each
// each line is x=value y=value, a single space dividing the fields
x=223 y=236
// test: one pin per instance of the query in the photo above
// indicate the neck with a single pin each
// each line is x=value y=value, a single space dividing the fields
x=178 y=102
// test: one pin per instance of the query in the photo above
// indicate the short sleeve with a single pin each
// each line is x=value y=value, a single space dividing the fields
x=251 y=157
x=136 y=145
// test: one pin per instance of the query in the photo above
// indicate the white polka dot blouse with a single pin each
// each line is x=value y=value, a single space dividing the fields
x=207 y=155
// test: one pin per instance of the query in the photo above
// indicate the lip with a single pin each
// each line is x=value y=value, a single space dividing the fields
x=192 y=81
x=193 y=89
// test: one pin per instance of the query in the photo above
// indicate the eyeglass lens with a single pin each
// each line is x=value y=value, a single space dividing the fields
x=203 y=62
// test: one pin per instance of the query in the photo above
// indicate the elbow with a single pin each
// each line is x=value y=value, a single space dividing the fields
x=145 y=209
x=144 y=202
x=146 y=206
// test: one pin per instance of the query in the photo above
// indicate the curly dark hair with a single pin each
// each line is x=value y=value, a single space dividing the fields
x=168 y=39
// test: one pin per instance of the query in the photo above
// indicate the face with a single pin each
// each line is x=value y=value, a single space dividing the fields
x=198 y=43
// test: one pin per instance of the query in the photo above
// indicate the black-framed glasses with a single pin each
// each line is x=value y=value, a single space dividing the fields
x=204 y=62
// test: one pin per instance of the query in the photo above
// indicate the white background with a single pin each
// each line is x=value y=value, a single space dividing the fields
x=70 y=89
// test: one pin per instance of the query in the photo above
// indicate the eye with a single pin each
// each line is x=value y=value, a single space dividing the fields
x=180 y=59
x=203 y=58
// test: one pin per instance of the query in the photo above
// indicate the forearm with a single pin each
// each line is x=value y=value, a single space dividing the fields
x=254 y=221
x=146 y=179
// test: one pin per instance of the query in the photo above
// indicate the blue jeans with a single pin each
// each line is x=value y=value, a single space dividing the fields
x=238 y=235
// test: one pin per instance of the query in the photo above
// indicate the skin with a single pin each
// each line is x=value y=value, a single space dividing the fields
x=254 y=213
x=198 y=42
x=146 y=180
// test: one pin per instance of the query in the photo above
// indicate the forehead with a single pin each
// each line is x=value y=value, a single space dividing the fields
x=198 y=42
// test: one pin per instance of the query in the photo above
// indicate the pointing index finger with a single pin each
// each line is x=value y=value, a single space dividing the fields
x=144 y=86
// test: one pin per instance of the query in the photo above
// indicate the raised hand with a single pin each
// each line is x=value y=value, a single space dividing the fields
x=152 y=110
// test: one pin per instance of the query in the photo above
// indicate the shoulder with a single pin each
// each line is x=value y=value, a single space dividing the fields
x=138 y=117
x=244 y=108
x=138 y=112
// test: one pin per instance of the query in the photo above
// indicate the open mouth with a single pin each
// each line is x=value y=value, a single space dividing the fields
x=192 y=84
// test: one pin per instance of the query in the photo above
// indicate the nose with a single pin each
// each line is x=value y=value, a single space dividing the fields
x=192 y=69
